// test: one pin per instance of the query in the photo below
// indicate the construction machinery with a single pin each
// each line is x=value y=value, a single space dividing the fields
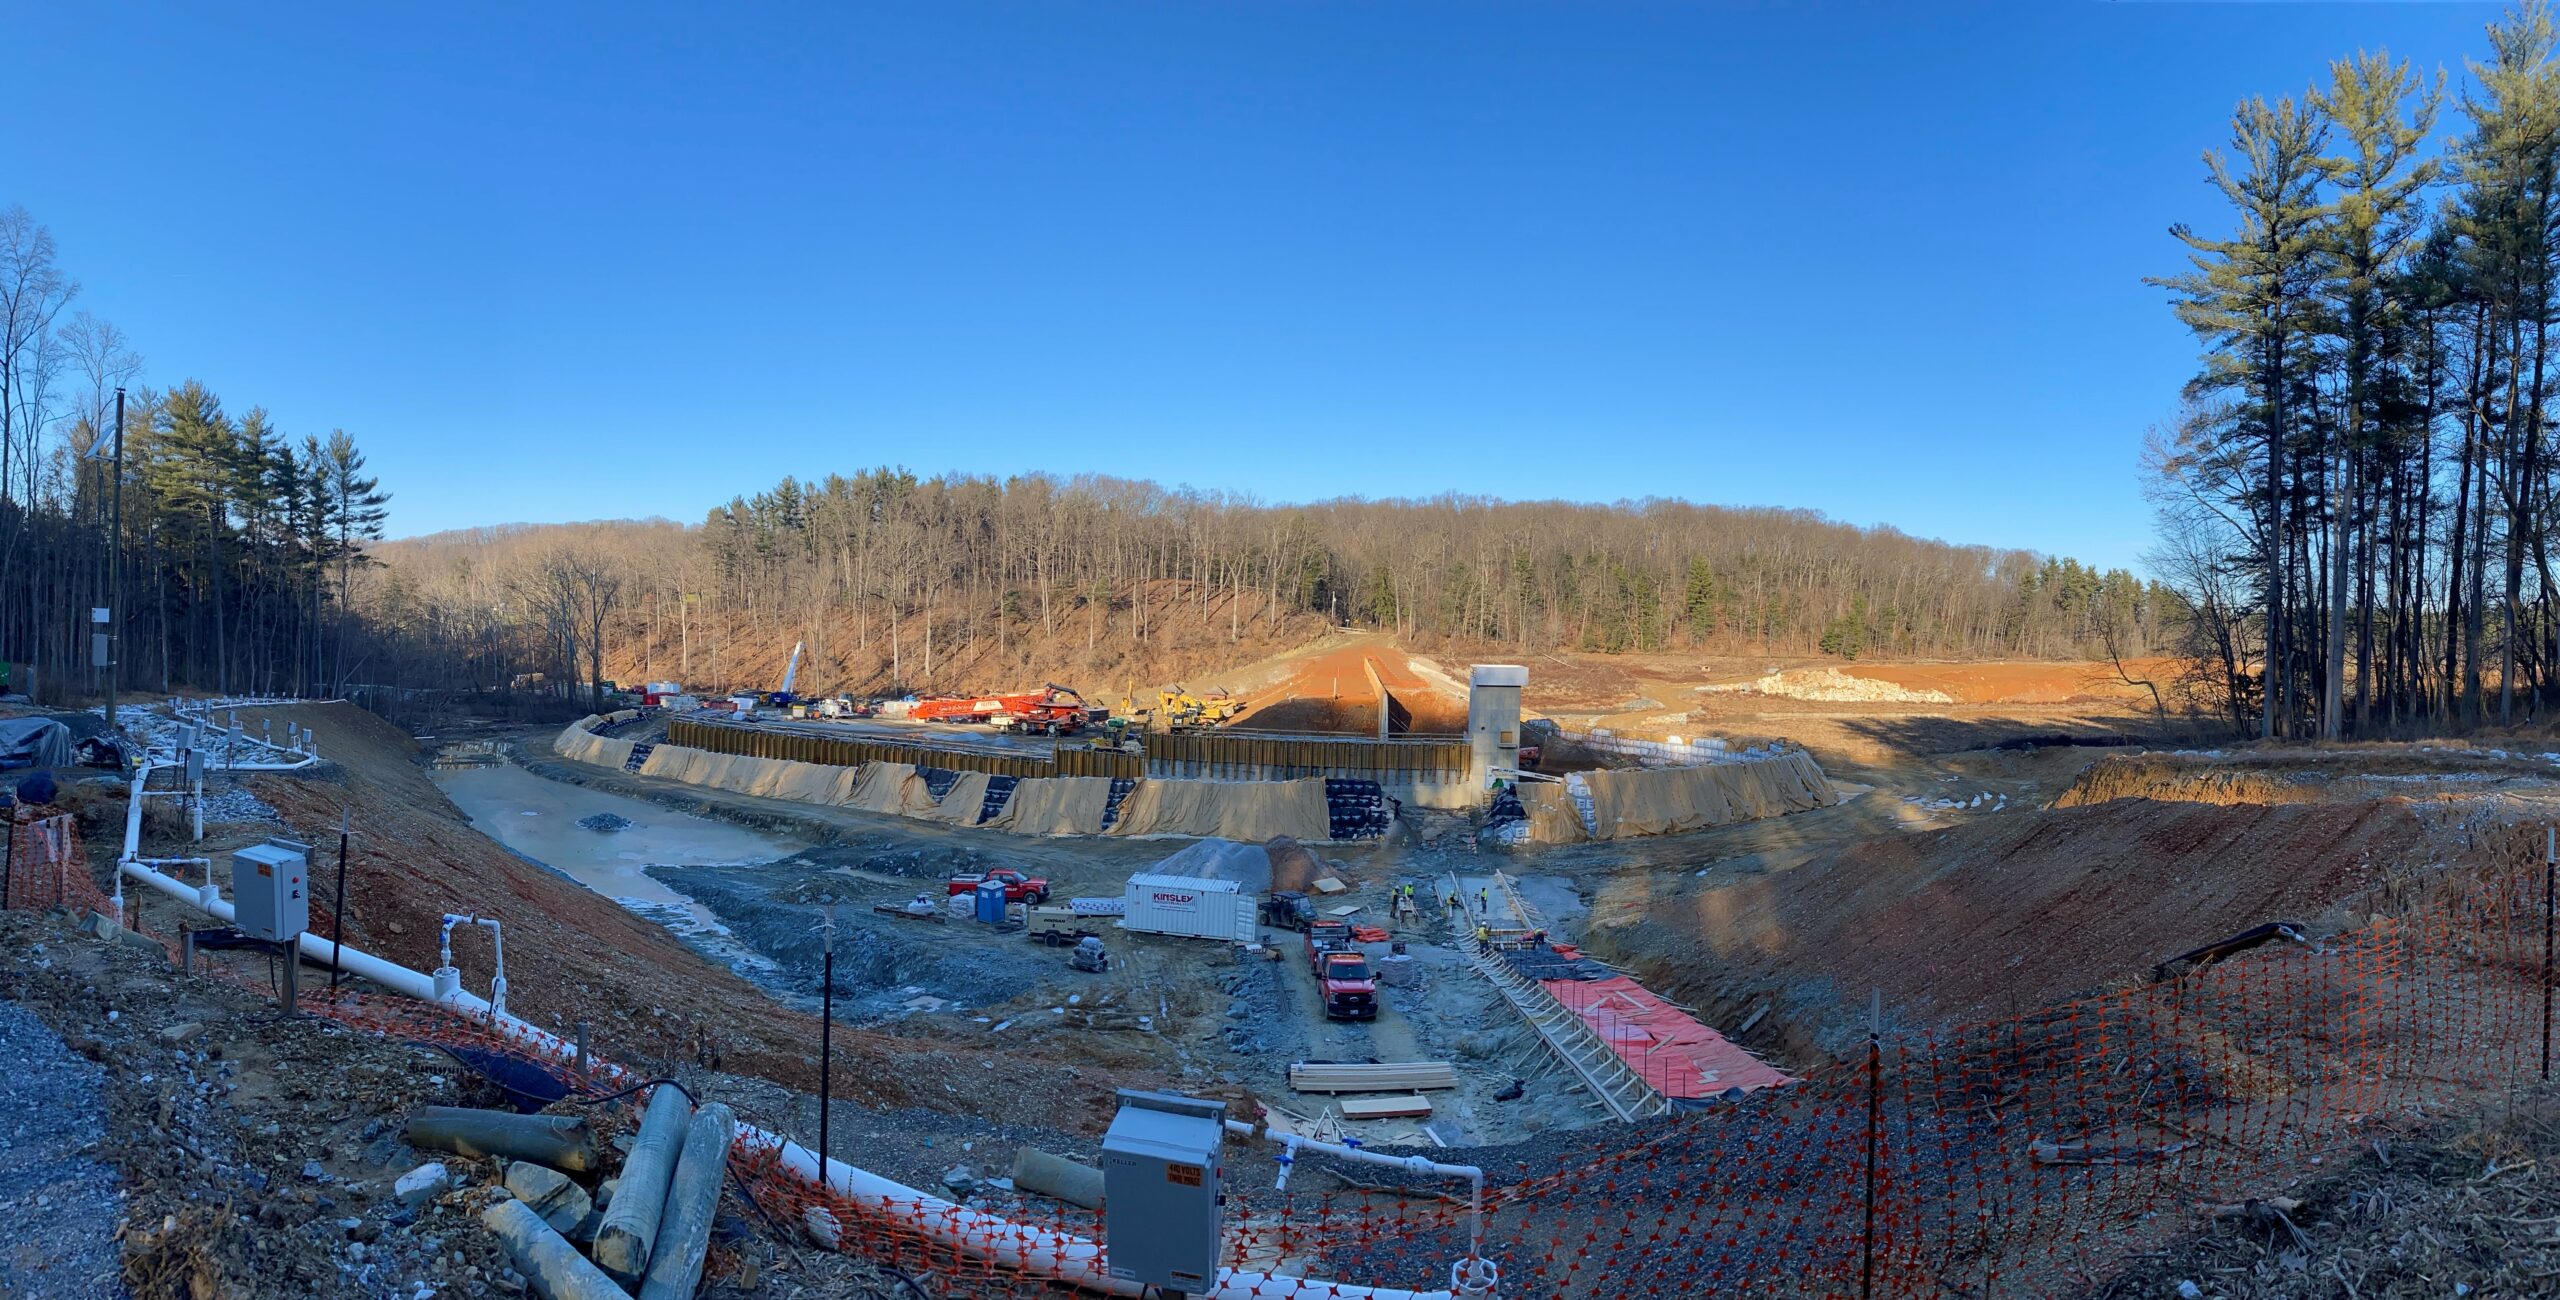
x=1341 y=971
x=1051 y=710
x=1180 y=710
x=782 y=698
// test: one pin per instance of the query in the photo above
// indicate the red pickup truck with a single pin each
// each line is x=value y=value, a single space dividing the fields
x=1341 y=972
x=1018 y=888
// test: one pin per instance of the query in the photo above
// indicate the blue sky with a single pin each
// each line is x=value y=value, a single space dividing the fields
x=1880 y=261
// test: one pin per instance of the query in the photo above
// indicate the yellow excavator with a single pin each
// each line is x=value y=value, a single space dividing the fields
x=1179 y=710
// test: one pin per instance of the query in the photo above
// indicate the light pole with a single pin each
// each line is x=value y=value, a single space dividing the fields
x=115 y=569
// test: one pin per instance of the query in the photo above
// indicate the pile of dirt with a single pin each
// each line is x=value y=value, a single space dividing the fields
x=1997 y=916
x=1331 y=691
x=1830 y=686
x=579 y=956
x=2280 y=776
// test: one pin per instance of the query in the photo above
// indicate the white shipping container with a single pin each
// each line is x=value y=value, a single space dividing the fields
x=1190 y=907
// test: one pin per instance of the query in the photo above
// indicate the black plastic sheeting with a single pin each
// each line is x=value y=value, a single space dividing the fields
x=1506 y=808
x=1120 y=788
x=1548 y=964
x=939 y=780
x=999 y=793
x=1357 y=810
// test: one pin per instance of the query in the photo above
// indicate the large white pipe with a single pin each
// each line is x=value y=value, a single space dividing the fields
x=1067 y=1258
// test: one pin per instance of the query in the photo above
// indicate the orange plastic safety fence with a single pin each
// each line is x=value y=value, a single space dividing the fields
x=2029 y=1156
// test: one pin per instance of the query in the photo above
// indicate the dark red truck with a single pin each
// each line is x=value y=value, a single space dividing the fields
x=1341 y=972
x=1018 y=888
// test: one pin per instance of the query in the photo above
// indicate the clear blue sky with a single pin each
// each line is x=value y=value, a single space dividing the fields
x=1880 y=261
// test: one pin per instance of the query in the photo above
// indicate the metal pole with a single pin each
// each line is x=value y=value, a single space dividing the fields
x=1875 y=1123
x=292 y=974
x=2550 y=858
x=826 y=1036
x=9 y=863
x=338 y=910
x=115 y=580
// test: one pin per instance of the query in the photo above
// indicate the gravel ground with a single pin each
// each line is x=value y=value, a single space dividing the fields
x=61 y=1205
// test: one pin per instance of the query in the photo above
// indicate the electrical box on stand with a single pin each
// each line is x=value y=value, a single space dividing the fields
x=1161 y=1196
x=271 y=890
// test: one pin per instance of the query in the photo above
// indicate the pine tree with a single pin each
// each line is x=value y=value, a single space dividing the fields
x=2251 y=298
x=2383 y=113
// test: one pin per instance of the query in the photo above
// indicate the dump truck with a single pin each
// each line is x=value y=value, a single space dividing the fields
x=1341 y=972
x=1018 y=888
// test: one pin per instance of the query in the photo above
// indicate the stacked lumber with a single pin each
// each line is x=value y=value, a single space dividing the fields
x=1385 y=1107
x=1400 y=1076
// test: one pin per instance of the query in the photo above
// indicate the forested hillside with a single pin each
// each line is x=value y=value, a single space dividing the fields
x=901 y=582
x=239 y=540
x=2357 y=501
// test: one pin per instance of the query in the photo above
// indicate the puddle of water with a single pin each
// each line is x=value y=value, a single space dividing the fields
x=539 y=819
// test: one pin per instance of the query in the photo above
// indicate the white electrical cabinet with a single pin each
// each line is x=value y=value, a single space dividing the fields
x=271 y=890
x=1161 y=1197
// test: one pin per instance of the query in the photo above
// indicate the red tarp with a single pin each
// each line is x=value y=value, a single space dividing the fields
x=1674 y=1053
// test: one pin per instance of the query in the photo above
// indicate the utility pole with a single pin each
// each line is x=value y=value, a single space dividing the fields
x=115 y=571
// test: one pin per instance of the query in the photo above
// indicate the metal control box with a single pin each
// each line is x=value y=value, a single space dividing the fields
x=271 y=889
x=1161 y=1200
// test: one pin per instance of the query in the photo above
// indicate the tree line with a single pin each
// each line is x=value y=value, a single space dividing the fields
x=902 y=582
x=239 y=545
x=2355 y=501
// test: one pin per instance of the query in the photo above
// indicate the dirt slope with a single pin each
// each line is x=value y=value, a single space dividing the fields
x=1997 y=916
x=573 y=954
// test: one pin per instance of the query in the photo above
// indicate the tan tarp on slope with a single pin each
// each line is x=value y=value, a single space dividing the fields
x=962 y=803
x=770 y=778
x=1246 y=811
x=1553 y=819
x=579 y=744
x=1056 y=805
x=1659 y=801
x=892 y=788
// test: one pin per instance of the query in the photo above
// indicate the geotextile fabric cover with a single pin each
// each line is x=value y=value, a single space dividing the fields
x=1659 y=801
x=1553 y=818
x=1234 y=810
x=1056 y=805
x=962 y=803
x=892 y=788
x=579 y=743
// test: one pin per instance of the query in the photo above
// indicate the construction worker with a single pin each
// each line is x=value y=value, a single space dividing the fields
x=1484 y=901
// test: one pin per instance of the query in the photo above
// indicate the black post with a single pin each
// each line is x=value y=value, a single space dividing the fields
x=2550 y=859
x=338 y=910
x=115 y=583
x=826 y=1039
x=9 y=862
x=1875 y=1125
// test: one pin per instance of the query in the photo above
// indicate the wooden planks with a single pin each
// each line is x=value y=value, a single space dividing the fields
x=1400 y=1076
x=1385 y=1107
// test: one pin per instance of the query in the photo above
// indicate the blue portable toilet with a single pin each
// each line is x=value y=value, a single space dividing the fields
x=991 y=901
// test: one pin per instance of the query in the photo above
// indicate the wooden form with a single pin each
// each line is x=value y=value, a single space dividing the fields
x=1401 y=1076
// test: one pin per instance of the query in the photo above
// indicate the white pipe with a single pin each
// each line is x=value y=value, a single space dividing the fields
x=1065 y=1257
x=1291 y=1144
x=497 y=941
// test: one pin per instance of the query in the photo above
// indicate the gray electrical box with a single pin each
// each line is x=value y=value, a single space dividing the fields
x=1161 y=1201
x=271 y=890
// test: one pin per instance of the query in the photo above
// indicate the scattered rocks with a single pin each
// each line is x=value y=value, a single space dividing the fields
x=422 y=1184
x=605 y=821
x=561 y=1203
